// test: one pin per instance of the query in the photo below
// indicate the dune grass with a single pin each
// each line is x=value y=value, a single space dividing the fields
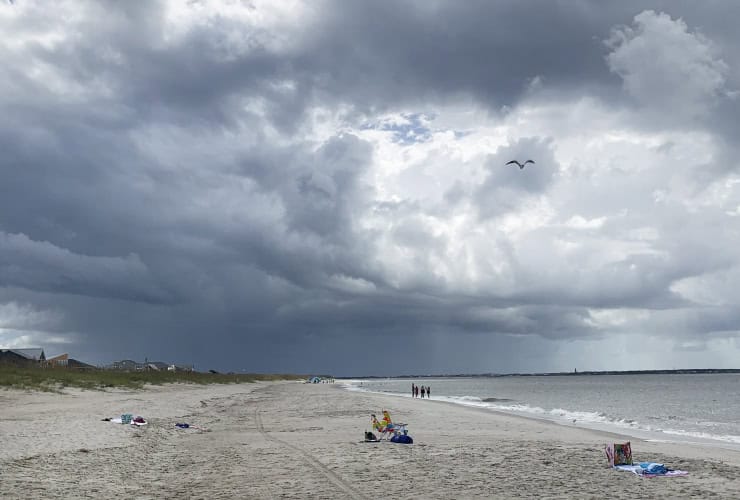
x=55 y=379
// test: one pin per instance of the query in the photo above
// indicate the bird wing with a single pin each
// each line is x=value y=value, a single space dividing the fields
x=512 y=161
x=529 y=161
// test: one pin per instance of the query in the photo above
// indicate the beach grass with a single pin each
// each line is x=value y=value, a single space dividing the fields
x=56 y=379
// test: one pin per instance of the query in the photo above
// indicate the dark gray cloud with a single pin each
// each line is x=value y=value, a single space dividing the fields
x=280 y=188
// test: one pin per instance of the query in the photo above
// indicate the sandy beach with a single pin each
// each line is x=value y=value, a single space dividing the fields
x=294 y=440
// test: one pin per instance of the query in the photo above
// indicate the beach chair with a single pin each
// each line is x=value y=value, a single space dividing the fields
x=387 y=428
x=618 y=453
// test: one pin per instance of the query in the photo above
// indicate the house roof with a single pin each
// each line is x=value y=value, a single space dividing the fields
x=34 y=353
x=126 y=362
x=79 y=364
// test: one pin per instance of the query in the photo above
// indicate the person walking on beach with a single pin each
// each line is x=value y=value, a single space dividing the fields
x=422 y=392
x=429 y=392
x=413 y=389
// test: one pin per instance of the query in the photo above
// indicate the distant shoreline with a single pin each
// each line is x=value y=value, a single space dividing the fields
x=698 y=371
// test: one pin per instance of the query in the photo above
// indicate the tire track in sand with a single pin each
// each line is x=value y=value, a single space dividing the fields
x=312 y=461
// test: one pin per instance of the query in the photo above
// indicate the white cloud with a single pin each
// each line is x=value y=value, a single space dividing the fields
x=579 y=222
x=26 y=325
x=666 y=67
x=16 y=316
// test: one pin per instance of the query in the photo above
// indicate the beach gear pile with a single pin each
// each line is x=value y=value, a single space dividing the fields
x=388 y=430
x=138 y=421
x=127 y=418
x=619 y=456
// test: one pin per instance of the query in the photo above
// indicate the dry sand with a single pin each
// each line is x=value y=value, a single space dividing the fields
x=292 y=440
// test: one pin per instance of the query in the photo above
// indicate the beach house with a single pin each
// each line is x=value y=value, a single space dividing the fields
x=22 y=356
x=64 y=361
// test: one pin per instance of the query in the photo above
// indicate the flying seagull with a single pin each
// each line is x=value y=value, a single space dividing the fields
x=521 y=165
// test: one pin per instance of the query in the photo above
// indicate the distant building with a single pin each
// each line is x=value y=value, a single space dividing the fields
x=60 y=360
x=127 y=364
x=8 y=356
x=74 y=363
x=64 y=361
x=22 y=356
x=31 y=353
x=35 y=356
x=180 y=368
x=131 y=365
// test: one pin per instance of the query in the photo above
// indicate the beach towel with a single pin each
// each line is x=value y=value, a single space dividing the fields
x=618 y=453
x=651 y=469
x=668 y=473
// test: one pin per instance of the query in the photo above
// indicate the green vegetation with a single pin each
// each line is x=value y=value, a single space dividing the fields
x=55 y=379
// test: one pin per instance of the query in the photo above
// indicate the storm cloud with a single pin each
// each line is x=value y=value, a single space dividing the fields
x=321 y=187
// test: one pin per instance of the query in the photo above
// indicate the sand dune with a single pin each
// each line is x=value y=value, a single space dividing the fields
x=290 y=440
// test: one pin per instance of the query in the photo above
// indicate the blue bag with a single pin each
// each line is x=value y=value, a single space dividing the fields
x=402 y=438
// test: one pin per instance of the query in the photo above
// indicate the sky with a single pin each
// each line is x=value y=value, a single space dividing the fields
x=321 y=186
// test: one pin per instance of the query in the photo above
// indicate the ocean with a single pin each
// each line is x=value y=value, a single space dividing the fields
x=698 y=408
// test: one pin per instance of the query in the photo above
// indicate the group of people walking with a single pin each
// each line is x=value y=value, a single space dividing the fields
x=425 y=391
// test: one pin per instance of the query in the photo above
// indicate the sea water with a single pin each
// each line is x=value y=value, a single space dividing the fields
x=699 y=408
